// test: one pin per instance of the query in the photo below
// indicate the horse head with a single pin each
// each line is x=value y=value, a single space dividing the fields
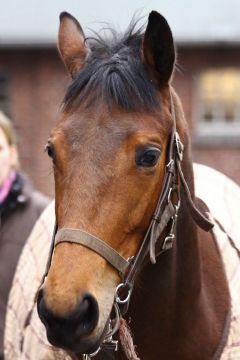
x=109 y=153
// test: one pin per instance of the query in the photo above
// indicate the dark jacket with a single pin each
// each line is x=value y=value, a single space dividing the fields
x=18 y=214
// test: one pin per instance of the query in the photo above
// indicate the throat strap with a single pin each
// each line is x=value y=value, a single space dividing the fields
x=100 y=247
x=201 y=219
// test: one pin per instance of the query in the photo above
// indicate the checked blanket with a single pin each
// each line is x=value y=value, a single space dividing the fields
x=29 y=342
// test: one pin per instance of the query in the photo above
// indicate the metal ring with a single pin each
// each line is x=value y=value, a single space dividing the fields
x=131 y=259
x=118 y=300
x=178 y=205
x=92 y=354
x=169 y=194
x=169 y=163
x=116 y=325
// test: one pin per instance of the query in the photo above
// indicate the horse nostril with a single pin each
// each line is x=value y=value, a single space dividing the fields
x=80 y=322
x=86 y=315
x=44 y=313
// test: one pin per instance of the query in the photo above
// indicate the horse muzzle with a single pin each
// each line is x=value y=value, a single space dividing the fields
x=75 y=332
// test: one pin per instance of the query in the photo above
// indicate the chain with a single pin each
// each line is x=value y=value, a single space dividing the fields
x=108 y=343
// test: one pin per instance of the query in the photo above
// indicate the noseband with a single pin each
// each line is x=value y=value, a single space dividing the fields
x=162 y=226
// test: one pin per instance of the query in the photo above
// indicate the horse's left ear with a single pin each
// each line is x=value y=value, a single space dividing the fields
x=71 y=43
x=158 y=49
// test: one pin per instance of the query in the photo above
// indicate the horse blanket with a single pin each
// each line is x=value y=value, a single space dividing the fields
x=27 y=340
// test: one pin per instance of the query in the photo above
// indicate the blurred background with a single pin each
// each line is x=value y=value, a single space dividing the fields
x=33 y=79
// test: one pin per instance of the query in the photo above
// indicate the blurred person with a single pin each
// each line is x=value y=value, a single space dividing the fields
x=20 y=207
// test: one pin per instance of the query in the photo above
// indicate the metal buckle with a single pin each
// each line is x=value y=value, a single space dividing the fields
x=111 y=345
x=168 y=242
x=179 y=146
x=170 y=166
x=171 y=190
x=108 y=343
x=169 y=194
x=89 y=356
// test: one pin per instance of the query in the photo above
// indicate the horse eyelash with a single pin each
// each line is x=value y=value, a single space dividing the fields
x=50 y=151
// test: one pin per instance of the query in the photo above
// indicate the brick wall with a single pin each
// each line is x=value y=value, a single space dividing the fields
x=193 y=60
x=37 y=80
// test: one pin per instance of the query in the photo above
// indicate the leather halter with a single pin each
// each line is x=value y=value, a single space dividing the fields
x=164 y=217
x=165 y=212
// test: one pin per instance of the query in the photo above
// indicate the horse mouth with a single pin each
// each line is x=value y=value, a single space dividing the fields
x=81 y=332
x=61 y=337
x=74 y=346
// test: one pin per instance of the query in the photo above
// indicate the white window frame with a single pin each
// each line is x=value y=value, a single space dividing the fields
x=218 y=131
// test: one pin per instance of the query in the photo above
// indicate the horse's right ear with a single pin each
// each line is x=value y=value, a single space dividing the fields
x=71 y=43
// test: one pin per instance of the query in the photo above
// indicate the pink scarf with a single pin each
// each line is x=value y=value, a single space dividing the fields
x=4 y=191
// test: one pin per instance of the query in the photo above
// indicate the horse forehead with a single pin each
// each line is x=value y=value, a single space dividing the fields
x=111 y=130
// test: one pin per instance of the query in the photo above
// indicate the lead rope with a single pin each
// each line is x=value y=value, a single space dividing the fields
x=126 y=339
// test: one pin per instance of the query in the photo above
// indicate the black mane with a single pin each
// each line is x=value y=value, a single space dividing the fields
x=114 y=74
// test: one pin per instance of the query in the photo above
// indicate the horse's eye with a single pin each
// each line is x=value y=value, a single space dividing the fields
x=50 y=151
x=147 y=157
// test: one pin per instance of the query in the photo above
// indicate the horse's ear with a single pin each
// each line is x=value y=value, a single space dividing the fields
x=71 y=43
x=158 y=49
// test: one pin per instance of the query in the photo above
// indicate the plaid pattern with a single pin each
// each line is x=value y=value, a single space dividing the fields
x=29 y=342
x=223 y=199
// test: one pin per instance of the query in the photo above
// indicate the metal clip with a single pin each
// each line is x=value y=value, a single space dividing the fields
x=108 y=344
x=89 y=356
x=111 y=345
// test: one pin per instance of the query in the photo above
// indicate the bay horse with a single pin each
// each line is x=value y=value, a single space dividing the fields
x=131 y=239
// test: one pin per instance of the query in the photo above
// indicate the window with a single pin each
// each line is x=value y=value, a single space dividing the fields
x=218 y=107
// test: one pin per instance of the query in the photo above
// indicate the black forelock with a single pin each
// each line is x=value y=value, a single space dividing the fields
x=114 y=74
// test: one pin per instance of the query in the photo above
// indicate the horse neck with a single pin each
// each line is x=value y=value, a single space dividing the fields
x=177 y=273
x=188 y=249
x=184 y=261
x=177 y=297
